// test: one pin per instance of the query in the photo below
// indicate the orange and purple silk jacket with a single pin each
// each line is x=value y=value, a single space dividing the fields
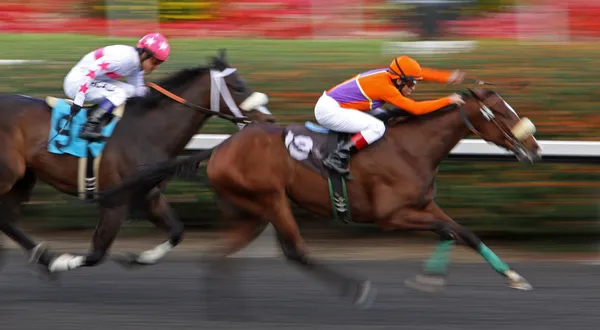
x=372 y=89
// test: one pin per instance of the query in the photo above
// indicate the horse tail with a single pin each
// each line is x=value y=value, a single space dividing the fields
x=150 y=176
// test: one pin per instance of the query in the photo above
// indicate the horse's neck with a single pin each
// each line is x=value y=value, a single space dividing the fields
x=442 y=133
x=169 y=126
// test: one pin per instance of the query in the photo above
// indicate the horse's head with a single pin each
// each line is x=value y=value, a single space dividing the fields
x=236 y=96
x=494 y=120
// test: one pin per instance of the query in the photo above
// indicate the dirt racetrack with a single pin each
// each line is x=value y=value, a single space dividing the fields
x=267 y=293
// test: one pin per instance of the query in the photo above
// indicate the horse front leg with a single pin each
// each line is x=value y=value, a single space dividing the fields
x=515 y=280
x=108 y=227
x=450 y=228
x=435 y=269
x=162 y=216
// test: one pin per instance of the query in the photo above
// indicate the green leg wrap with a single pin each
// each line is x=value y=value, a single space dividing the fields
x=492 y=259
x=438 y=262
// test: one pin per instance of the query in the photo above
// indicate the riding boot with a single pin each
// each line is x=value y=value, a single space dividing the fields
x=91 y=130
x=338 y=159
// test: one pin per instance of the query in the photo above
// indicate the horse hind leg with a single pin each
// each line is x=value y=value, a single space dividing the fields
x=272 y=204
x=244 y=228
x=160 y=213
x=362 y=291
x=16 y=185
x=222 y=298
x=22 y=190
x=20 y=193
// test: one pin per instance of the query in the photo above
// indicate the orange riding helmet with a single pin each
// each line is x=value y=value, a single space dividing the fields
x=406 y=69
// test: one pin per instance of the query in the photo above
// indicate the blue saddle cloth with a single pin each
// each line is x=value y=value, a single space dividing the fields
x=68 y=142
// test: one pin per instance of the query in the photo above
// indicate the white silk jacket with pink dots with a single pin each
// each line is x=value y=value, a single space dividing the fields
x=95 y=76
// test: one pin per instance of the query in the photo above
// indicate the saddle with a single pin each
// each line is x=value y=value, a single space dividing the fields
x=311 y=143
x=64 y=139
x=89 y=108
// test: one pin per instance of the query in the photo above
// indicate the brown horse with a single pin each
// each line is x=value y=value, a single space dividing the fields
x=154 y=128
x=393 y=183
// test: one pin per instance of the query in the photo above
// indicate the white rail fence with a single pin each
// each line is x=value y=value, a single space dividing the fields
x=577 y=151
x=476 y=150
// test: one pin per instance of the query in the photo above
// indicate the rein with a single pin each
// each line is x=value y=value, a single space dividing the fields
x=181 y=100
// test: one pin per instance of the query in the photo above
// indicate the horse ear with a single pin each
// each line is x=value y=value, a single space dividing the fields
x=222 y=53
x=466 y=94
x=477 y=92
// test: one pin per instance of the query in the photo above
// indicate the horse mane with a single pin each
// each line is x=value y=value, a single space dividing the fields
x=396 y=119
x=173 y=83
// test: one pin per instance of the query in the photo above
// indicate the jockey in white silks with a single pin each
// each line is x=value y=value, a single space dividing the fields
x=94 y=77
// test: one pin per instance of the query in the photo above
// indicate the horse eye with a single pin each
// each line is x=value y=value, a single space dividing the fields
x=238 y=88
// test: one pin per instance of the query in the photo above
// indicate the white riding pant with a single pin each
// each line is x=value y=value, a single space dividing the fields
x=330 y=114
x=117 y=92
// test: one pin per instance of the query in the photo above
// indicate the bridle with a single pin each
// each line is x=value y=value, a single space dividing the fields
x=489 y=115
x=218 y=88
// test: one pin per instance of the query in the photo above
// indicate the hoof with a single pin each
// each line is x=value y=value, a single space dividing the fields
x=365 y=295
x=517 y=282
x=37 y=266
x=129 y=261
x=43 y=273
x=3 y=256
x=426 y=283
x=362 y=293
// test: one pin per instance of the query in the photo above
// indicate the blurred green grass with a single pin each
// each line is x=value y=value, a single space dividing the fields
x=562 y=98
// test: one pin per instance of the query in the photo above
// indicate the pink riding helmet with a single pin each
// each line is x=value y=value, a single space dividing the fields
x=156 y=44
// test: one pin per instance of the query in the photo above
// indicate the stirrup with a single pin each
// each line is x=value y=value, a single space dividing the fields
x=91 y=132
x=336 y=165
x=92 y=138
x=343 y=172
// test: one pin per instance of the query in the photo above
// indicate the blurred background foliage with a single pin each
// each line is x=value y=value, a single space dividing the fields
x=281 y=50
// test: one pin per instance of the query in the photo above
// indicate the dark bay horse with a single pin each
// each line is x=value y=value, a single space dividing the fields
x=154 y=128
x=393 y=184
